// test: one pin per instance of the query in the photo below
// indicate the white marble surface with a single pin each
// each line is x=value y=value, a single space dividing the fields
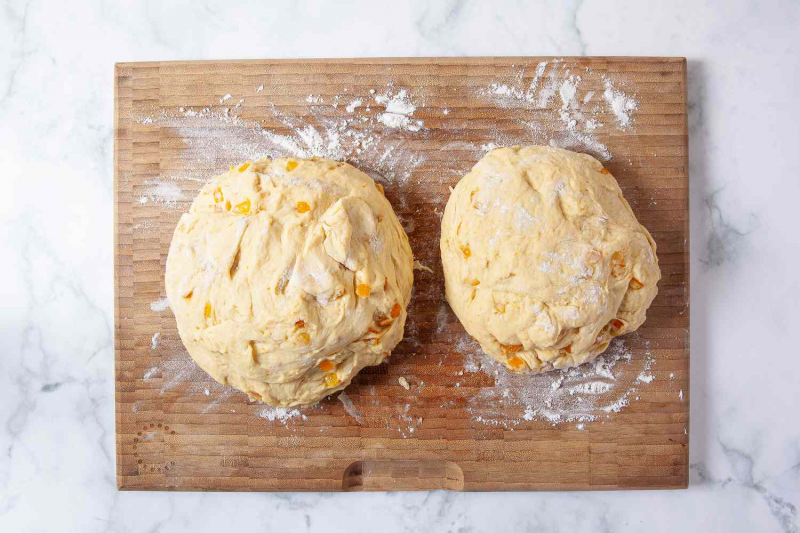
x=56 y=381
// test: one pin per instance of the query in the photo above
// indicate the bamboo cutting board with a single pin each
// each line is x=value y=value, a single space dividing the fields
x=179 y=123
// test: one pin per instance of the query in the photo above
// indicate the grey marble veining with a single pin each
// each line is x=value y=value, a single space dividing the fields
x=56 y=359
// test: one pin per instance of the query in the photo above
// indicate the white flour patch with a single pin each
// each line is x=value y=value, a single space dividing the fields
x=166 y=193
x=573 y=123
x=281 y=414
x=154 y=340
x=620 y=104
x=645 y=377
x=365 y=141
x=583 y=394
x=159 y=305
x=150 y=372
x=442 y=316
x=353 y=105
x=399 y=110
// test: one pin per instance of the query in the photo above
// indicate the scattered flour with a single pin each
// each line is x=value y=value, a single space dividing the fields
x=398 y=111
x=151 y=372
x=645 y=377
x=581 y=394
x=159 y=305
x=573 y=123
x=162 y=192
x=353 y=105
x=372 y=143
x=620 y=104
x=281 y=414
x=154 y=340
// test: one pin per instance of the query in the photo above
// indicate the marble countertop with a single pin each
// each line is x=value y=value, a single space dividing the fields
x=56 y=367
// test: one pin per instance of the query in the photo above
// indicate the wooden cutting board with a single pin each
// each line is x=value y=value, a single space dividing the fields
x=176 y=126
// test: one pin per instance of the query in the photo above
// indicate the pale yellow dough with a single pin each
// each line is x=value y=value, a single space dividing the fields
x=287 y=277
x=544 y=261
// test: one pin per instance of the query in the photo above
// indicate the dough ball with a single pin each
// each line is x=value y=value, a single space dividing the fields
x=287 y=277
x=544 y=261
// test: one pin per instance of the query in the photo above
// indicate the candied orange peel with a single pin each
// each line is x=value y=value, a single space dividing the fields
x=363 y=290
x=242 y=208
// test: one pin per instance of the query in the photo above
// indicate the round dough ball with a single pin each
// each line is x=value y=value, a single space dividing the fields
x=544 y=261
x=287 y=277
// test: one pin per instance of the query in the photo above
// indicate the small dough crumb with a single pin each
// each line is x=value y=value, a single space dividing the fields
x=420 y=266
x=404 y=383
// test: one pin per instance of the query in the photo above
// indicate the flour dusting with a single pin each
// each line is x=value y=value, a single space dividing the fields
x=281 y=414
x=573 y=124
x=380 y=133
x=159 y=305
x=154 y=340
x=162 y=192
x=579 y=394
x=399 y=110
x=620 y=104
